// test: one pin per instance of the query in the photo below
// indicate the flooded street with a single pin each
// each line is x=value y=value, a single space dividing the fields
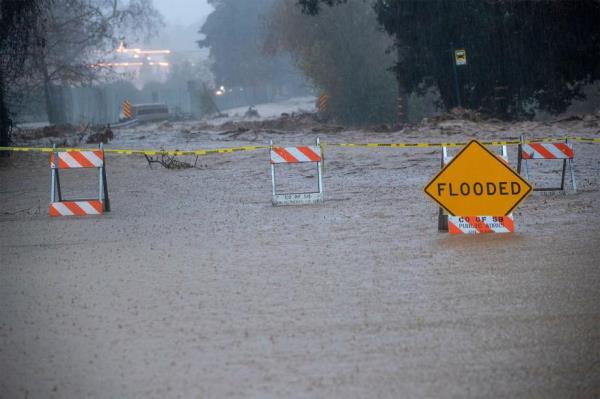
x=232 y=199
x=196 y=286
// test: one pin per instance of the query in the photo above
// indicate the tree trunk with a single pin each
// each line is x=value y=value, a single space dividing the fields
x=54 y=106
x=402 y=102
x=501 y=101
x=48 y=101
x=5 y=122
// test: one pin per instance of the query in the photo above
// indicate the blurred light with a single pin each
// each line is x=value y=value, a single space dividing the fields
x=119 y=64
x=137 y=51
x=160 y=64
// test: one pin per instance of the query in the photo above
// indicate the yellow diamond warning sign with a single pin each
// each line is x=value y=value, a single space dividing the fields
x=477 y=182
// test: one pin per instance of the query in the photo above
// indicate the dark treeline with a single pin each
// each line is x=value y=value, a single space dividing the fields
x=17 y=22
x=343 y=52
x=522 y=55
x=367 y=55
x=46 y=45
x=235 y=32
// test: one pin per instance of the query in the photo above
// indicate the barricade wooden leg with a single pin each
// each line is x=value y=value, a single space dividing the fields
x=58 y=190
x=320 y=169
x=54 y=176
x=105 y=190
x=524 y=161
x=572 y=169
x=442 y=220
x=104 y=181
x=52 y=185
x=562 y=177
x=272 y=170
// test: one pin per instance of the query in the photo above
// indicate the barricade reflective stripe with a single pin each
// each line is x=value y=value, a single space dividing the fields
x=323 y=99
x=547 y=151
x=78 y=159
x=295 y=154
x=480 y=224
x=127 y=110
x=76 y=208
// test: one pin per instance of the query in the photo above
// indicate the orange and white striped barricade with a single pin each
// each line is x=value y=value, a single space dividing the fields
x=293 y=155
x=481 y=224
x=323 y=102
x=474 y=224
x=78 y=160
x=127 y=113
x=548 y=151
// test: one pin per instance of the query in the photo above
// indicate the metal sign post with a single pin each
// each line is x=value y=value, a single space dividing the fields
x=459 y=58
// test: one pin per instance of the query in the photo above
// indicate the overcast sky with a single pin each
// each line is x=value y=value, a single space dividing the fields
x=183 y=12
x=183 y=19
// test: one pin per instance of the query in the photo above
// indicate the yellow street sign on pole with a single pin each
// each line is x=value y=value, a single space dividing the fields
x=477 y=182
x=460 y=57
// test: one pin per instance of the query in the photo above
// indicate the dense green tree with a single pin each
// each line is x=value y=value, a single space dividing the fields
x=77 y=35
x=235 y=32
x=18 y=20
x=343 y=53
x=521 y=53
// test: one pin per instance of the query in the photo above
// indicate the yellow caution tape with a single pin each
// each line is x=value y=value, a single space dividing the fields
x=586 y=139
x=180 y=152
x=492 y=143
x=418 y=145
x=137 y=152
x=253 y=148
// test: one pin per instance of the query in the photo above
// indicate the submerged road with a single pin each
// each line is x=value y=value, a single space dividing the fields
x=194 y=286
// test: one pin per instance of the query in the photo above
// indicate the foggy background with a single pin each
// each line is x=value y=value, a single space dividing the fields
x=183 y=19
x=368 y=62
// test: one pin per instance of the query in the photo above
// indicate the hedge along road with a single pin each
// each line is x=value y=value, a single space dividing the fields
x=195 y=286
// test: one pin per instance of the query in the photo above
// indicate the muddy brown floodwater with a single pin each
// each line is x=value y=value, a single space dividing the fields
x=194 y=286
